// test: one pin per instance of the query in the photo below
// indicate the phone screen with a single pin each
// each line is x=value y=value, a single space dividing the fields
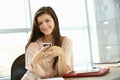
x=45 y=44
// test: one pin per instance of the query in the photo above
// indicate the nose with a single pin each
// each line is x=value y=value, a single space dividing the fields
x=44 y=24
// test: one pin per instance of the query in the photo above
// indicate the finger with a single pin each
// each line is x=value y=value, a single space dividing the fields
x=51 y=54
x=48 y=53
x=51 y=48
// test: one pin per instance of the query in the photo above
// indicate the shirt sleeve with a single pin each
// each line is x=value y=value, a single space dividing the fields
x=31 y=50
x=37 y=68
x=67 y=47
x=28 y=57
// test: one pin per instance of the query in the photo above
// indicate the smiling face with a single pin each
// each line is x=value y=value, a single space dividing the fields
x=46 y=24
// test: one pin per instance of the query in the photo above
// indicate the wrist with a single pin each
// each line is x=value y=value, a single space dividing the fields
x=38 y=56
x=61 y=52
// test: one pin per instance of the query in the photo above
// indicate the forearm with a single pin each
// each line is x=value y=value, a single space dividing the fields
x=37 y=64
x=40 y=54
x=37 y=57
x=39 y=70
x=62 y=65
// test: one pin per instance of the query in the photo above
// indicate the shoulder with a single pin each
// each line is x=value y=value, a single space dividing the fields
x=66 y=40
x=33 y=46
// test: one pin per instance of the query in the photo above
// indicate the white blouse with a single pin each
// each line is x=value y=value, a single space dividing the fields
x=46 y=62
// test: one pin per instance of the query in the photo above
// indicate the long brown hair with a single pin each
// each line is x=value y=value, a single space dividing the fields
x=36 y=33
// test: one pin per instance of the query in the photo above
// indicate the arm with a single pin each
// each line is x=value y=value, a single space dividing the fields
x=34 y=60
x=66 y=58
x=56 y=51
x=37 y=62
x=68 y=53
x=62 y=65
x=37 y=66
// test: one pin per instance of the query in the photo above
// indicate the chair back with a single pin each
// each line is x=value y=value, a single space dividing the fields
x=18 y=68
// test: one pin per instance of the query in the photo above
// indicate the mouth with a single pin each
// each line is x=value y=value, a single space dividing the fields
x=47 y=31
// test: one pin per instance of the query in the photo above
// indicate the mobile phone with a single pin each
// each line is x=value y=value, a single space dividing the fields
x=46 y=44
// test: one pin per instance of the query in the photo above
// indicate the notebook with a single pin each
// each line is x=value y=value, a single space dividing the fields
x=87 y=74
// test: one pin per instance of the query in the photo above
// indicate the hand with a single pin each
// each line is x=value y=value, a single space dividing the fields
x=40 y=54
x=53 y=51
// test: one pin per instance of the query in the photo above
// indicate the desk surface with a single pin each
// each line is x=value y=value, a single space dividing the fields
x=114 y=74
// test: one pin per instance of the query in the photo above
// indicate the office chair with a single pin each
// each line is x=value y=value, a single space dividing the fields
x=18 y=68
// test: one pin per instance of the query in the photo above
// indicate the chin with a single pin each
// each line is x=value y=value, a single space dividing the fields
x=46 y=34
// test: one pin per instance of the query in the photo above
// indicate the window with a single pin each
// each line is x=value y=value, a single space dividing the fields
x=12 y=45
x=73 y=23
x=12 y=14
x=13 y=33
x=15 y=26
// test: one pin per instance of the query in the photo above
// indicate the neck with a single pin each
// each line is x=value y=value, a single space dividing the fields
x=48 y=39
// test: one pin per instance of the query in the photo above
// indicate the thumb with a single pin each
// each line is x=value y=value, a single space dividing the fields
x=45 y=48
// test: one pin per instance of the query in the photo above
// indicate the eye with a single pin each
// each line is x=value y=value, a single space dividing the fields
x=39 y=23
x=47 y=20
